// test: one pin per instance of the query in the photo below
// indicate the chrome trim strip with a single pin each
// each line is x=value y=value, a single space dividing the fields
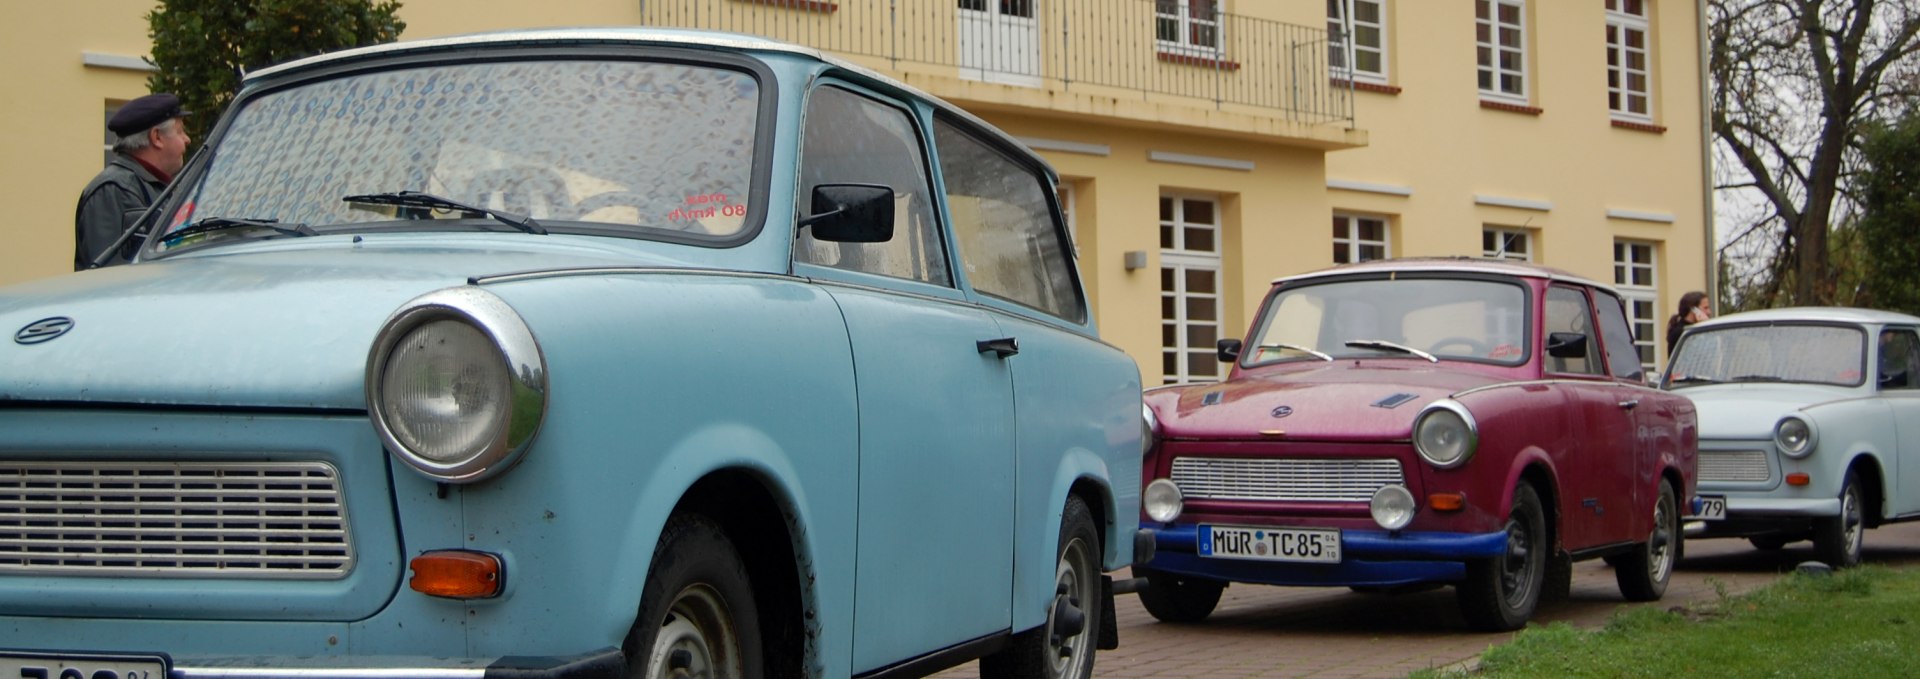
x=526 y=370
x=621 y=270
x=330 y=672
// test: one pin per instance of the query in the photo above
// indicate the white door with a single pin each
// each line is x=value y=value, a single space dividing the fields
x=1000 y=41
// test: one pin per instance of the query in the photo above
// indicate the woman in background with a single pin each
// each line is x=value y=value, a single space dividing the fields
x=1694 y=308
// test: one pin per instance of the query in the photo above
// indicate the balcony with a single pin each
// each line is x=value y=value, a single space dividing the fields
x=1150 y=63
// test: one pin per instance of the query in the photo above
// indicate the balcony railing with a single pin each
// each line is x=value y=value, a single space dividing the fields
x=1146 y=49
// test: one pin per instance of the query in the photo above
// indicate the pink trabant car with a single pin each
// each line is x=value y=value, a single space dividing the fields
x=1405 y=424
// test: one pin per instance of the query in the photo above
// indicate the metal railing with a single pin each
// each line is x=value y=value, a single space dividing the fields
x=1147 y=49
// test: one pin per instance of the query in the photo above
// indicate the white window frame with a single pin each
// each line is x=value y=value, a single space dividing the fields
x=1068 y=197
x=1504 y=236
x=1340 y=16
x=1353 y=241
x=1619 y=22
x=1183 y=17
x=1181 y=260
x=1492 y=22
x=1623 y=269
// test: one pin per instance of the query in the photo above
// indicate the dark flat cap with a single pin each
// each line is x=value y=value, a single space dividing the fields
x=144 y=113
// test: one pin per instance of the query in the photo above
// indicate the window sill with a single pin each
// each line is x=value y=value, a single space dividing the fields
x=802 y=5
x=1511 y=108
x=1364 y=86
x=1192 y=60
x=1640 y=127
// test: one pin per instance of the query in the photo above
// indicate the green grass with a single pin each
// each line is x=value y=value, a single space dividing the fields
x=1863 y=622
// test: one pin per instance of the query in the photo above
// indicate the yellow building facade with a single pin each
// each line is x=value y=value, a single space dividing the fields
x=1206 y=147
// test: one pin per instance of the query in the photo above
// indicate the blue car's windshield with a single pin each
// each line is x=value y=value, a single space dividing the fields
x=1822 y=354
x=641 y=146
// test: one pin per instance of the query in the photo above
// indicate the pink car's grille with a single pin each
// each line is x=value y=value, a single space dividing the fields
x=159 y=519
x=1737 y=466
x=1283 y=480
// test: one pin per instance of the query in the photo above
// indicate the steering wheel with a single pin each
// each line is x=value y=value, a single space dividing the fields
x=1474 y=347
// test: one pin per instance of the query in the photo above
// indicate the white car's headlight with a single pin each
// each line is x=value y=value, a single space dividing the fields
x=456 y=385
x=1445 y=434
x=1795 y=436
x=1162 y=500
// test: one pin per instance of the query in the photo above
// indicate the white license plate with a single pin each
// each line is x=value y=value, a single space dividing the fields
x=1306 y=545
x=1712 y=508
x=82 y=666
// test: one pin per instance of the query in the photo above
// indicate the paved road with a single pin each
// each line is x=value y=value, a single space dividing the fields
x=1263 y=631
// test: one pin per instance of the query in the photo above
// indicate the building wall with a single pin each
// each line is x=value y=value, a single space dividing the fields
x=1419 y=157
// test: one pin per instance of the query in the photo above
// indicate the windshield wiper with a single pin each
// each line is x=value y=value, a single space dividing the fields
x=1757 y=378
x=428 y=200
x=1693 y=379
x=1391 y=346
x=1282 y=345
x=223 y=223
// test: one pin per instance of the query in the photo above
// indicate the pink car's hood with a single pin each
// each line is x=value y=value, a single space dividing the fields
x=1340 y=401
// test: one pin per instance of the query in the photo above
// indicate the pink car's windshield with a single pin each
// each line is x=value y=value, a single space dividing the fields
x=1448 y=318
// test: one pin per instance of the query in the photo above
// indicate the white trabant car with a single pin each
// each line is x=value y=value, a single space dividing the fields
x=1809 y=424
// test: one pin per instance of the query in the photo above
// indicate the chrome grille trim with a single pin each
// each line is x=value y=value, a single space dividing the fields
x=1734 y=466
x=1283 y=480
x=258 y=520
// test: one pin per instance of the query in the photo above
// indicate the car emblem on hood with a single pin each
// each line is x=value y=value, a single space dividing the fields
x=1283 y=411
x=43 y=330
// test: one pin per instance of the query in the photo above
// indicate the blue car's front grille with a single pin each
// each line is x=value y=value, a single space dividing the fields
x=283 y=520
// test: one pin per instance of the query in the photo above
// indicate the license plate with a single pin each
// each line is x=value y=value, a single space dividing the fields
x=1306 y=545
x=30 y=665
x=1712 y=508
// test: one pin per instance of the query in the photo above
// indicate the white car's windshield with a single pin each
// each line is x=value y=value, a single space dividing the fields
x=632 y=146
x=1446 y=318
x=1822 y=354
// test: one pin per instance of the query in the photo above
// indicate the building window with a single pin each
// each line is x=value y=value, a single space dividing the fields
x=1359 y=239
x=1189 y=289
x=1501 y=36
x=1629 y=83
x=1633 y=276
x=112 y=108
x=1359 y=51
x=1187 y=26
x=1506 y=244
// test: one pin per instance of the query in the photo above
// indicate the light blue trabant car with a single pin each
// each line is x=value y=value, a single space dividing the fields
x=572 y=353
x=1809 y=424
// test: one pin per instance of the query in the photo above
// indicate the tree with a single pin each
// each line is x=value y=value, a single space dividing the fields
x=202 y=47
x=1890 y=216
x=1795 y=82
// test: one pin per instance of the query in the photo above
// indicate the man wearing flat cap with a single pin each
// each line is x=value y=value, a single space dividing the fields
x=151 y=148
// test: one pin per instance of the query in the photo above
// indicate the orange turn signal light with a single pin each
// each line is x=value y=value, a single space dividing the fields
x=1447 y=502
x=456 y=574
x=1799 y=479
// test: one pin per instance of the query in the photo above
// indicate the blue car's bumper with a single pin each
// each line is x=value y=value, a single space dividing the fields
x=1368 y=559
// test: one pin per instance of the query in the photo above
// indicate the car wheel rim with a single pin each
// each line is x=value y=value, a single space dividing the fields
x=1660 y=544
x=697 y=640
x=1068 y=642
x=1850 y=513
x=1516 y=572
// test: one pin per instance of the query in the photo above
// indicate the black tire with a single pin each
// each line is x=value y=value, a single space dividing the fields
x=697 y=612
x=1838 y=541
x=1063 y=647
x=1644 y=572
x=1180 y=598
x=1501 y=593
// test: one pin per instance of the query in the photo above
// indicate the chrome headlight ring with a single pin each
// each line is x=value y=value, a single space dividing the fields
x=1445 y=434
x=1796 y=436
x=504 y=437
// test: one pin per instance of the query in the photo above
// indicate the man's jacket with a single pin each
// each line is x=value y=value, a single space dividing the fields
x=111 y=202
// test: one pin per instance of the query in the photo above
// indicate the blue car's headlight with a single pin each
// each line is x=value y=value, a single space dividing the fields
x=456 y=385
x=1795 y=436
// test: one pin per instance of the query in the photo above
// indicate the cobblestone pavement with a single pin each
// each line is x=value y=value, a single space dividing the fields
x=1261 y=631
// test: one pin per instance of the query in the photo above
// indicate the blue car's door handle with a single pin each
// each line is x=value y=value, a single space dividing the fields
x=1003 y=347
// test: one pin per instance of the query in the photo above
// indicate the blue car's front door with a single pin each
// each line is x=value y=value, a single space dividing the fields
x=934 y=561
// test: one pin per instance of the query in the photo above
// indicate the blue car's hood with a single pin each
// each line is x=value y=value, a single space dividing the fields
x=270 y=327
x=1750 y=411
